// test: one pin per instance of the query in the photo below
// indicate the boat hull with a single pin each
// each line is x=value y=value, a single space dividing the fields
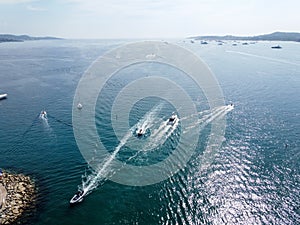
x=3 y=96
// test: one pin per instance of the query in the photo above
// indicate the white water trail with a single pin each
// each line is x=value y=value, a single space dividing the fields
x=160 y=135
x=45 y=123
x=216 y=113
x=264 y=57
x=98 y=176
x=148 y=119
x=92 y=183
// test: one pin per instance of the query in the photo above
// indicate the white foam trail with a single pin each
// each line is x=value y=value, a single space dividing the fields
x=264 y=57
x=44 y=120
x=196 y=114
x=148 y=119
x=160 y=135
x=94 y=179
x=103 y=172
x=215 y=114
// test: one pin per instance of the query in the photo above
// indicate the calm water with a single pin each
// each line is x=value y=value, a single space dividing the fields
x=254 y=178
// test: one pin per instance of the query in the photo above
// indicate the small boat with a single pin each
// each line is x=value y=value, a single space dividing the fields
x=204 y=43
x=78 y=197
x=245 y=43
x=79 y=106
x=43 y=114
x=276 y=47
x=3 y=96
x=140 y=132
x=172 y=120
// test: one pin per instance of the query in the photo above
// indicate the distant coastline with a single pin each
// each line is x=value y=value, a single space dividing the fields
x=22 y=38
x=276 y=36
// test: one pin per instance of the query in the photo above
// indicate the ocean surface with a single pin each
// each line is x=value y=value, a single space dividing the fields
x=254 y=177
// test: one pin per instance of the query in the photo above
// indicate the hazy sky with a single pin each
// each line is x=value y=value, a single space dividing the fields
x=147 y=18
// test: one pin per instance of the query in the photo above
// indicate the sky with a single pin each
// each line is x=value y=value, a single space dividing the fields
x=147 y=18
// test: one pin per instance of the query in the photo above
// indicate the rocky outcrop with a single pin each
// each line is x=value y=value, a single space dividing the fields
x=20 y=198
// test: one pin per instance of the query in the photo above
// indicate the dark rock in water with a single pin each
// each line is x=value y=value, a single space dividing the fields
x=19 y=198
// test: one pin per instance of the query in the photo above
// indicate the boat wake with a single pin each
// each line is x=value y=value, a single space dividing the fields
x=207 y=118
x=98 y=176
x=157 y=138
x=149 y=119
x=160 y=135
x=43 y=117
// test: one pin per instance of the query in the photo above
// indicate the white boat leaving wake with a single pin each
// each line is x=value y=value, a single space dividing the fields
x=44 y=118
x=158 y=137
x=93 y=180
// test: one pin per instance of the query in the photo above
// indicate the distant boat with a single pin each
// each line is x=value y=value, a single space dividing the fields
x=204 y=43
x=245 y=43
x=79 y=106
x=140 y=132
x=234 y=44
x=276 y=47
x=43 y=115
x=192 y=42
x=3 y=96
x=172 y=120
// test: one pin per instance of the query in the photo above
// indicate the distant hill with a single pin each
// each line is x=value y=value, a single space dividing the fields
x=21 y=38
x=276 y=36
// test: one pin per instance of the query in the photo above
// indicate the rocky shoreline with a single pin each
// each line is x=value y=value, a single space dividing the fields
x=18 y=195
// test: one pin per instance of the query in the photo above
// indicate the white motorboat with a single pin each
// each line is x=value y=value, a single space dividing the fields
x=78 y=197
x=3 y=96
x=140 y=132
x=43 y=114
x=172 y=120
x=231 y=105
x=79 y=106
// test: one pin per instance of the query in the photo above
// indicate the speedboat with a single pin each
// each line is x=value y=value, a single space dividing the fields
x=3 y=96
x=230 y=106
x=43 y=114
x=172 y=120
x=140 y=132
x=277 y=46
x=79 y=106
x=78 y=197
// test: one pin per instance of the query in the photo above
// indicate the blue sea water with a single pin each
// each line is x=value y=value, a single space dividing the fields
x=255 y=175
